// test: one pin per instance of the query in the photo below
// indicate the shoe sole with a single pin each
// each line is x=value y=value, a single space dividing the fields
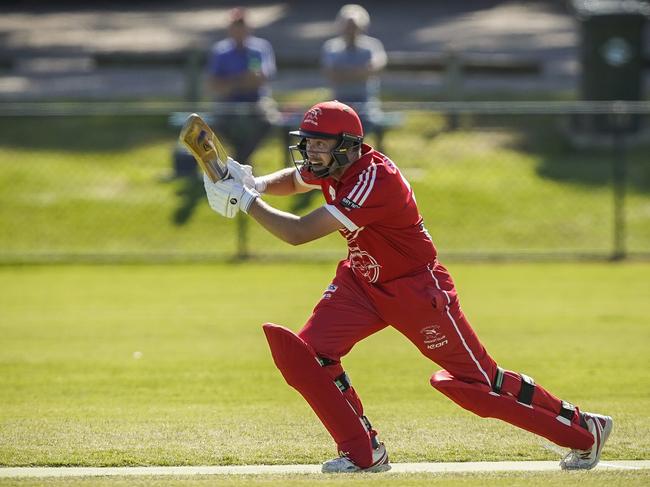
x=385 y=467
x=380 y=465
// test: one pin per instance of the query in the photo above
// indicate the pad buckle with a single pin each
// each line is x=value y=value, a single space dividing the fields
x=343 y=382
x=527 y=390
x=498 y=381
x=566 y=413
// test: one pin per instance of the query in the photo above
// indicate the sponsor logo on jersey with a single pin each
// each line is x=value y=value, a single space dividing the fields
x=330 y=289
x=349 y=204
x=332 y=192
x=364 y=264
x=351 y=236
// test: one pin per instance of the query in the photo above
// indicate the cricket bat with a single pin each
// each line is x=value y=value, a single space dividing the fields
x=205 y=146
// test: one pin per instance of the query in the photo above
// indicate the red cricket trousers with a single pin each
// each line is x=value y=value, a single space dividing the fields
x=415 y=305
x=424 y=307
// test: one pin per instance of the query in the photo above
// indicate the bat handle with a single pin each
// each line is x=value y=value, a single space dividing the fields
x=216 y=165
x=220 y=170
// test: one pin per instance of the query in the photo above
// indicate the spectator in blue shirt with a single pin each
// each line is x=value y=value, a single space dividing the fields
x=239 y=69
x=352 y=61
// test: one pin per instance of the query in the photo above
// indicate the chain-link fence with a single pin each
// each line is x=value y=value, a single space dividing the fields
x=520 y=180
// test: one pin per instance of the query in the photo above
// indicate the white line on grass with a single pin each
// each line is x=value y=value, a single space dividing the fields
x=287 y=469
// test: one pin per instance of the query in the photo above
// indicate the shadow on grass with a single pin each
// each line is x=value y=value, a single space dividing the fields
x=190 y=191
x=546 y=137
x=103 y=133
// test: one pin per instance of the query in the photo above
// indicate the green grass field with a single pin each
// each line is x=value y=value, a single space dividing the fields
x=106 y=365
x=202 y=388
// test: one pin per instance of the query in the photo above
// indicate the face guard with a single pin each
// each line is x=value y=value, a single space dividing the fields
x=340 y=153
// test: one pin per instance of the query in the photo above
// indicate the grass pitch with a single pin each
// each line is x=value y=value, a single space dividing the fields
x=167 y=365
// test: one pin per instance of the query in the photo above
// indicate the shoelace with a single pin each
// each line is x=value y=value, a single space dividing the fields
x=577 y=454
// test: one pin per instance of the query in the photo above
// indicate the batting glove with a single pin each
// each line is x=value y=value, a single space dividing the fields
x=227 y=197
x=243 y=174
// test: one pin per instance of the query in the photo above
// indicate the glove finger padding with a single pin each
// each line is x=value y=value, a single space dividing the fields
x=219 y=198
x=241 y=173
x=227 y=197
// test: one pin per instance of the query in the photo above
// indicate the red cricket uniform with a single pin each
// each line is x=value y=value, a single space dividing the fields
x=392 y=277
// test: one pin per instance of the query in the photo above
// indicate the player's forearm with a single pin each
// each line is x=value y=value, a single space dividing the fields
x=286 y=226
x=281 y=183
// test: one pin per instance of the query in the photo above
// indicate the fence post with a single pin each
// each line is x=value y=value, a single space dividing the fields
x=242 y=237
x=453 y=83
x=619 y=174
x=193 y=75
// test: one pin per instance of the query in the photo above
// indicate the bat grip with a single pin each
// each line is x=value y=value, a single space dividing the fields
x=219 y=171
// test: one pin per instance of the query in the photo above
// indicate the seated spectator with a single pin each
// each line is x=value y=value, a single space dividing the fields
x=352 y=61
x=239 y=68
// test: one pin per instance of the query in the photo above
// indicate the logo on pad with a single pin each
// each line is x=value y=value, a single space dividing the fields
x=433 y=338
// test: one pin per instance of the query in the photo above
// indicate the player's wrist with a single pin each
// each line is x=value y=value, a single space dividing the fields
x=260 y=184
x=248 y=196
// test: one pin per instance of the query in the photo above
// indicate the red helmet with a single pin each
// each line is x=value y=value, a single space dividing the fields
x=328 y=120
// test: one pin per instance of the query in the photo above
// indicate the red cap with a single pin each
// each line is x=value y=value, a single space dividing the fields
x=330 y=118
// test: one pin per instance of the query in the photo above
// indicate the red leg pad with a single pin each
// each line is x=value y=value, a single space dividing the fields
x=479 y=399
x=302 y=371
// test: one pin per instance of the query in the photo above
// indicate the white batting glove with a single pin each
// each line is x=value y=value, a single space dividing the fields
x=228 y=197
x=243 y=174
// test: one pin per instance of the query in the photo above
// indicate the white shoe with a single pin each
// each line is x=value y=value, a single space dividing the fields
x=343 y=464
x=599 y=426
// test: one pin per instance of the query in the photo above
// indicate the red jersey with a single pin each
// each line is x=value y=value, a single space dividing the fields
x=384 y=230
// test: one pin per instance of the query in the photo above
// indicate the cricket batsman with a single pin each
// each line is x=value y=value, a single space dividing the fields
x=391 y=277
